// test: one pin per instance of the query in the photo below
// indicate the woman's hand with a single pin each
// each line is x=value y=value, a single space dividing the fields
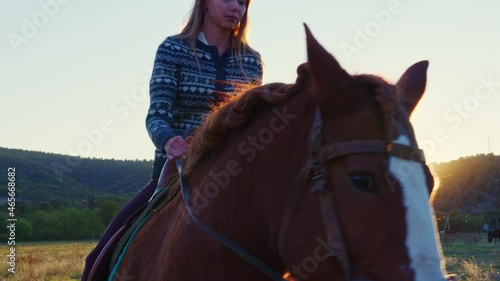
x=177 y=147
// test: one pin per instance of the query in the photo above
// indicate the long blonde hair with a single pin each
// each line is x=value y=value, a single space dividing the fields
x=239 y=43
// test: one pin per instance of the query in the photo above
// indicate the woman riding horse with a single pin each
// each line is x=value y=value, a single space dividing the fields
x=317 y=180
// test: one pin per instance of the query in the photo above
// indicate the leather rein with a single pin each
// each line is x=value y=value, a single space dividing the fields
x=316 y=169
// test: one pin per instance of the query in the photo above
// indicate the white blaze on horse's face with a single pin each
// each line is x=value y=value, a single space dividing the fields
x=424 y=250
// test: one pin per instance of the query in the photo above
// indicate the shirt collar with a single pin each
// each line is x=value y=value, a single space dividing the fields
x=202 y=38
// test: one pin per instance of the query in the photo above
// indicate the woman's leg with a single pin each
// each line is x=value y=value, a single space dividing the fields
x=118 y=221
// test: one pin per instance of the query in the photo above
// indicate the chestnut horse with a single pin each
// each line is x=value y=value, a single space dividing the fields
x=317 y=180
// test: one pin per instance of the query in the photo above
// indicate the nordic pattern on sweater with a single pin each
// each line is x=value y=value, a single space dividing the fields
x=183 y=91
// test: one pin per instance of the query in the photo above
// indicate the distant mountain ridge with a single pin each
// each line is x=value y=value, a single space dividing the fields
x=467 y=185
x=44 y=176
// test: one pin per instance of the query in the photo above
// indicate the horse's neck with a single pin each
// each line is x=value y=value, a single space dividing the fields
x=248 y=180
x=278 y=152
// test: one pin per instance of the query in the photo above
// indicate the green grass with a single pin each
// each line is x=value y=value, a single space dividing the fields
x=471 y=256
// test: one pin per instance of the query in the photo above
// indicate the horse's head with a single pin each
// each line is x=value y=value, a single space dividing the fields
x=382 y=226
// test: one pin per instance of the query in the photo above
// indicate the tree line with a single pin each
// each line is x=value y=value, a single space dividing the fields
x=55 y=221
x=80 y=203
x=468 y=184
x=58 y=221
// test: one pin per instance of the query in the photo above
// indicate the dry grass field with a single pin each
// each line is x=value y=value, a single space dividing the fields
x=47 y=261
x=472 y=257
x=468 y=255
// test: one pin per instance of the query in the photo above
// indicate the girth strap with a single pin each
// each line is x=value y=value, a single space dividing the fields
x=224 y=240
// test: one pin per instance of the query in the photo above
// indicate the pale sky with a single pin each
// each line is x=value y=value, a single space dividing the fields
x=74 y=74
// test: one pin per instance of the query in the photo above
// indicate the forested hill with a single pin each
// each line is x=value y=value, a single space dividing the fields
x=468 y=185
x=46 y=176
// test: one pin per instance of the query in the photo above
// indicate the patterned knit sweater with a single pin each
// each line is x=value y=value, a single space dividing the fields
x=183 y=91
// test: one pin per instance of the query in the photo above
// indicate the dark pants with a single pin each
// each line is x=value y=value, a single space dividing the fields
x=117 y=224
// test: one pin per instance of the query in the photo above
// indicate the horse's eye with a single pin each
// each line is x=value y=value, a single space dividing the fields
x=364 y=182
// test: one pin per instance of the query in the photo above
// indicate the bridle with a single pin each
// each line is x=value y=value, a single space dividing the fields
x=316 y=169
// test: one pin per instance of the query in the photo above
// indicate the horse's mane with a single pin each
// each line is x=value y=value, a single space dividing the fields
x=386 y=96
x=235 y=112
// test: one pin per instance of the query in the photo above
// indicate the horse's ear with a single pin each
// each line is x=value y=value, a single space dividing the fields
x=411 y=85
x=330 y=78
